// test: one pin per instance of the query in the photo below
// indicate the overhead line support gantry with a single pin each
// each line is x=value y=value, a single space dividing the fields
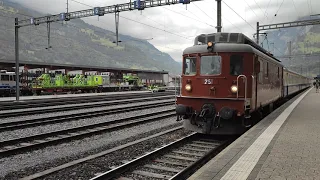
x=96 y=11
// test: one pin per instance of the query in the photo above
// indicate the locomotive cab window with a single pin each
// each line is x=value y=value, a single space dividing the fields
x=210 y=65
x=189 y=67
x=236 y=65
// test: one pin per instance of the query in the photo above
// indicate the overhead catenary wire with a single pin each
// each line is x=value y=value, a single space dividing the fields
x=203 y=12
x=238 y=15
x=277 y=11
x=138 y=22
x=58 y=36
x=226 y=19
x=258 y=5
x=250 y=8
x=295 y=7
x=265 y=13
x=162 y=7
x=189 y=17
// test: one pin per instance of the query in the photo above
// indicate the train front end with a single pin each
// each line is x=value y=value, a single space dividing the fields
x=216 y=86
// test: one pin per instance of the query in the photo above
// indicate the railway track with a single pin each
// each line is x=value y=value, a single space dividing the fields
x=8 y=126
x=14 y=146
x=71 y=100
x=42 y=110
x=174 y=161
x=84 y=162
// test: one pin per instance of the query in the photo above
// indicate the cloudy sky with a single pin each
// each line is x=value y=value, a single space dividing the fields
x=174 y=27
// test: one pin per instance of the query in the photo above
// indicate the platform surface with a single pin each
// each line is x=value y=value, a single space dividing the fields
x=68 y=95
x=284 y=145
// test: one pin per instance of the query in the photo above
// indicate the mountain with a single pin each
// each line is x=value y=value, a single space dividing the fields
x=77 y=42
x=304 y=40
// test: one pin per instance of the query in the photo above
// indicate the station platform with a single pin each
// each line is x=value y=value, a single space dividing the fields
x=2 y=99
x=284 y=145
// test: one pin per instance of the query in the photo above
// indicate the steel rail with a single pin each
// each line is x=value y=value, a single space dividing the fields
x=213 y=147
x=24 y=144
x=9 y=126
x=24 y=112
x=62 y=101
x=44 y=173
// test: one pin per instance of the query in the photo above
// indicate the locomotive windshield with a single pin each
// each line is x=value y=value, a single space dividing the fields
x=189 y=67
x=210 y=65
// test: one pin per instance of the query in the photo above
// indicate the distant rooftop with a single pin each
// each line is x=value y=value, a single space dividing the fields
x=30 y=65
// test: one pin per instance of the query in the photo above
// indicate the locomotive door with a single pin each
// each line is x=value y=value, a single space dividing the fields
x=255 y=76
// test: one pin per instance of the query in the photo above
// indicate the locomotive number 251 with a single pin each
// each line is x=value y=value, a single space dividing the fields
x=207 y=81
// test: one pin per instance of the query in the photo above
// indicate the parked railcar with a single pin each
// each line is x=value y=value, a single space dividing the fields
x=226 y=78
x=7 y=83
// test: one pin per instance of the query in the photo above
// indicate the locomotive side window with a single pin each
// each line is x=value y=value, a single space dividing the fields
x=236 y=65
x=266 y=72
x=189 y=67
x=210 y=65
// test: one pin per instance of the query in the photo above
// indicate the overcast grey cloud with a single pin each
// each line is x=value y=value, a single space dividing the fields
x=182 y=23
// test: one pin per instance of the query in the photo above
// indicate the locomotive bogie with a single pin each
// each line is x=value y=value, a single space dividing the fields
x=212 y=116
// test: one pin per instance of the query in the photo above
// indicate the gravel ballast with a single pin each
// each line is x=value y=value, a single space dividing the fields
x=19 y=133
x=104 y=107
x=105 y=163
x=62 y=153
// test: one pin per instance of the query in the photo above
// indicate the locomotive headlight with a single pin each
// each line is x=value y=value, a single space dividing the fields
x=188 y=87
x=234 y=89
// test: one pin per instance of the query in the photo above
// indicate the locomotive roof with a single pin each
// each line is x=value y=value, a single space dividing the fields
x=227 y=47
x=228 y=42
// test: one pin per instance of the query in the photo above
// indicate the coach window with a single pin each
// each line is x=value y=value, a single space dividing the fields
x=189 y=67
x=5 y=77
x=236 y=65
x=210 y=65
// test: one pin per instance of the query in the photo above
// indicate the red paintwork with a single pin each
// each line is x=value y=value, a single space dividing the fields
x=267 y=88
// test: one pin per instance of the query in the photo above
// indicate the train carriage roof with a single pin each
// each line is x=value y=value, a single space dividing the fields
x=227 y=42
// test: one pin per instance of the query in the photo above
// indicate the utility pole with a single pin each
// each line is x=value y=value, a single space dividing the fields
x=219 y=16
x=258 y=33
x=16 y=37
x=67 y=6
x=117 y=23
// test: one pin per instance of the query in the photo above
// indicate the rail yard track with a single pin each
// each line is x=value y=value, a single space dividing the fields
x=8 y=126
x=176 y=160
x=84 y=162
x=14 y=146
x=9 y=105
x=42 y=110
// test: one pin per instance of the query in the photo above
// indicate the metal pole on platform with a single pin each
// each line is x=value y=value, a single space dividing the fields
x=16 y=37
x=219 y=16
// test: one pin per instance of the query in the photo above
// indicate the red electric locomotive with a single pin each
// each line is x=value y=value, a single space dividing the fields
x=226 y=77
